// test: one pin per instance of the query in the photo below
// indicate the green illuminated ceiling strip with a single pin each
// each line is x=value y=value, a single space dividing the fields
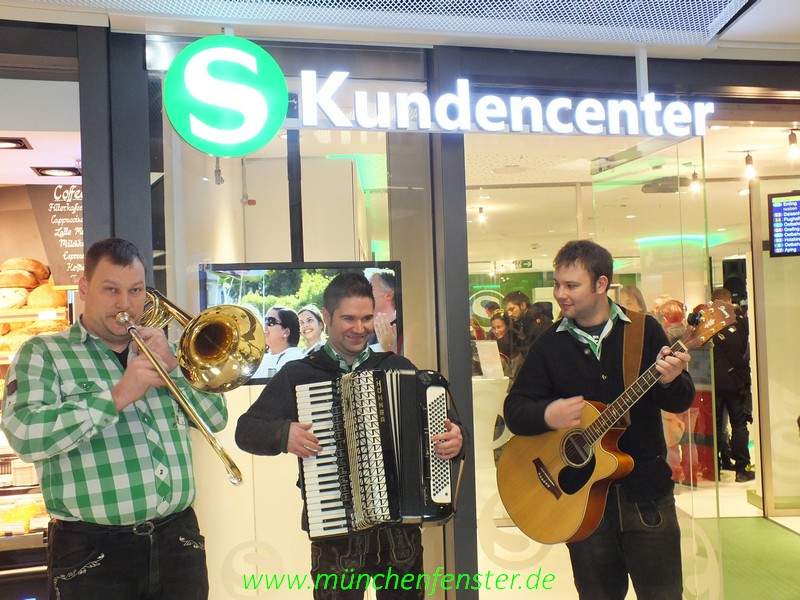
x=666 y=239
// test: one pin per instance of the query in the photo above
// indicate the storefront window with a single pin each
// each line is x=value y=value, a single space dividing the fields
x=41 y=260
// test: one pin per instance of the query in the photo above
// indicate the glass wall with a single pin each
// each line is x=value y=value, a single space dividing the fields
x=675 y=216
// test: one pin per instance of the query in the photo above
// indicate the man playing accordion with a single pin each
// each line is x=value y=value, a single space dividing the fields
x=271 y=426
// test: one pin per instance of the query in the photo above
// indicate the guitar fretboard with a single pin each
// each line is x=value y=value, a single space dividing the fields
x=614 y=411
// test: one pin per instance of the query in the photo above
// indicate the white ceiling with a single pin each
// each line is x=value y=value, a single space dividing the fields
x=689 y=28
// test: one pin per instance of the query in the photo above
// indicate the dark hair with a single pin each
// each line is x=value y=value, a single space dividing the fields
x=350 y=284
x=517 y=298
x=290 y=321
x=491 y=305
x=501 y=316
x=314 y=310
x=118 y=251
x=387 y=277
x=591 y=256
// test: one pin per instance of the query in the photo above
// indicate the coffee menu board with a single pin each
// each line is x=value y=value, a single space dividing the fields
x=59 y=216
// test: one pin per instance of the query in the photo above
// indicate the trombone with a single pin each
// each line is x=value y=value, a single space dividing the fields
x=219 y=350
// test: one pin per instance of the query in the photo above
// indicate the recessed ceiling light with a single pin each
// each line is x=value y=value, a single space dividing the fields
x=721 y=229
x=11 y=143
x=57 y=171
x=630 y=216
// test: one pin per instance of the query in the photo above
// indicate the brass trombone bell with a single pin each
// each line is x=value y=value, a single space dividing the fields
x=220 y=349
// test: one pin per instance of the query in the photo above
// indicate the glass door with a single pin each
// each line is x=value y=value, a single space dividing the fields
x=649 y=210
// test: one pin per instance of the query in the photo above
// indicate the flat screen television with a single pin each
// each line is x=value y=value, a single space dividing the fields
x=784 y=224
x=260 y=286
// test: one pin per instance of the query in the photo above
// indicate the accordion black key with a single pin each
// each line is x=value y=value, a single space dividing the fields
x=377 y=465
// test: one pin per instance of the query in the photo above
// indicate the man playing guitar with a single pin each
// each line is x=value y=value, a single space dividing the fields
x=581 y=358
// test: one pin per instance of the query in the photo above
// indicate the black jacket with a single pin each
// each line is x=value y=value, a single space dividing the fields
x=533 y=323
x=731 y=359
x=559 y=366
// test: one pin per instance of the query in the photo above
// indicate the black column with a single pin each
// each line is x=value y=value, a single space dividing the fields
x=295 y=184
x=452 y=282
x=130 y=143
x=95 y=108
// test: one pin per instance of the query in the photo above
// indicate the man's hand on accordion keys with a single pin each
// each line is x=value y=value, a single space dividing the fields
x=301 y=441
x=448 y=444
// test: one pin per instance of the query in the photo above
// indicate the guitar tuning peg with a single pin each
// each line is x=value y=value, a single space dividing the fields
x=693 y=319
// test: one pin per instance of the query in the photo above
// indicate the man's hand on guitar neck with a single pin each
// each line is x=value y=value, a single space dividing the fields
x=671 y=365
x=564 y=413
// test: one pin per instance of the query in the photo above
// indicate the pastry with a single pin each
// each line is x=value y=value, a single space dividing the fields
x=45 y=296
x=12 y=297
x=39 y=269
x=18 y=278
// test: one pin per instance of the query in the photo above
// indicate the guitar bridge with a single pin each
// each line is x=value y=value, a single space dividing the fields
x=546 y=479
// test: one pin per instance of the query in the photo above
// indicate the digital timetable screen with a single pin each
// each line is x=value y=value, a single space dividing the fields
x=784 y=224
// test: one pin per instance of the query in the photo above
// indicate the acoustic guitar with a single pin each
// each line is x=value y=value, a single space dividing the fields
x=554 y=485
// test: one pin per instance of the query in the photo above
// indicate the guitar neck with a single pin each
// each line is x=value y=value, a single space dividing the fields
x=614 y=411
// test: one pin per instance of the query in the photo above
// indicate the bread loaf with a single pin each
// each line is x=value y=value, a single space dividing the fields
x=45 y=296
x=21 y=263
x=17 y=278
x=12 y=297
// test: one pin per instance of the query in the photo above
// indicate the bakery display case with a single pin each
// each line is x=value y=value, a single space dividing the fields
x=30 y=304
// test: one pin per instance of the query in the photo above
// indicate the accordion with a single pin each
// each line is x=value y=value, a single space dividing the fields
x=377 y=465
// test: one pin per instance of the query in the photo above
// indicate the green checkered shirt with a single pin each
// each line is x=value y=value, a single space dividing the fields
x=96 y=464
x=365 y=354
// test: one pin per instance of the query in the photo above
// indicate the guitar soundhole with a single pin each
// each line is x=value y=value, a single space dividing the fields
x=576 y=451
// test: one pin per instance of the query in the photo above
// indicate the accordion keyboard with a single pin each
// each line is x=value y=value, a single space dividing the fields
x=321 y=475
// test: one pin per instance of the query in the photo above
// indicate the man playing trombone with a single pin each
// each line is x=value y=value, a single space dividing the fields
x=110 y=444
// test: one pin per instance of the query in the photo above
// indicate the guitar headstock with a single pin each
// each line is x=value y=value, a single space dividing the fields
x=707 y=322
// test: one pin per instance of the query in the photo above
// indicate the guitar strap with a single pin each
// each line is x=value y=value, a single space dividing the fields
x=632 y=345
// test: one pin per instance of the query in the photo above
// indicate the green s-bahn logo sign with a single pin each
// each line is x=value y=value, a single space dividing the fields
x=225 y=96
